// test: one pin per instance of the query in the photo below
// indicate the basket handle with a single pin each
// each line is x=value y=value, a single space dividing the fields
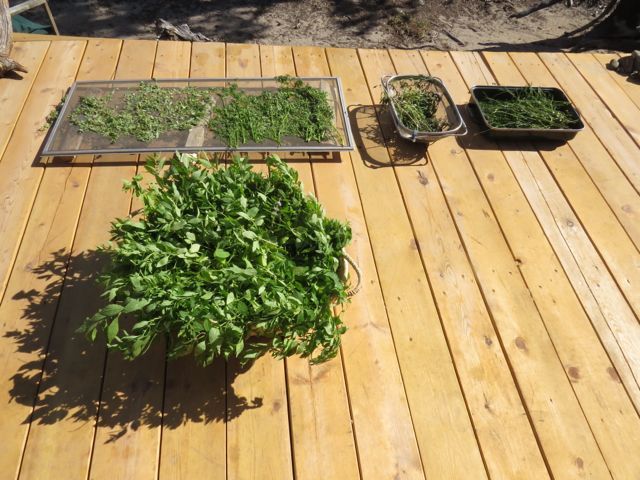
x=462 y=131
x=352 y=291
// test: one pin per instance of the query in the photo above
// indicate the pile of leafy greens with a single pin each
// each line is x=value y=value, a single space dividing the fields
x=223 y=262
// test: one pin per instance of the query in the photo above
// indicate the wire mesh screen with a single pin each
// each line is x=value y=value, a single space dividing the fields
x=66 y=138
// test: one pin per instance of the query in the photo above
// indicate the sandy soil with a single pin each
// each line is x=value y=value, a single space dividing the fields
x=443 y=24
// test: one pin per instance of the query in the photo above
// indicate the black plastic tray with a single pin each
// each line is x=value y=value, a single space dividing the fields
x=498 y=92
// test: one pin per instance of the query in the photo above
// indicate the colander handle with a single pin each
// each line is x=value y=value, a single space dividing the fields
x=384 y=80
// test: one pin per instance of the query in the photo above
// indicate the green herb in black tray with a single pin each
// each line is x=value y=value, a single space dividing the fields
x=529 y=107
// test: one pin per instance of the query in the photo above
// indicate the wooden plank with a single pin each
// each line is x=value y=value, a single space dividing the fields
x=564 y=434
x=30 y=302
x=29 y=306
x=321 y=433
x=193 y=430
x=73 y=404
x=505 y=434
x=614 y=246
x=610 y=180
x=385 y=438
x=444 y=431
x=612 y=317
x=588 y=366
x=606 y=306
x=14 y=92
x=169 y=56
x=278 y=60
x=208 y=60
x=127 y=439
x=250 y=429
x=19 y=177
x=66 y=409
x=609 y=91
x=630 y=87
x=613 y=136
x=243 y=60
x=36 y=37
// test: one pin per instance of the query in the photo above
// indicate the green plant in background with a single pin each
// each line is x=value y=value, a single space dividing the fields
x=417 y=106
x=146 y=112
x=530 y=107
x=223 y=262
x=295 y=109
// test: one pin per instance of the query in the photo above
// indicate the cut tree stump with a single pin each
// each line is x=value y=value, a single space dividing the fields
x=6 y=64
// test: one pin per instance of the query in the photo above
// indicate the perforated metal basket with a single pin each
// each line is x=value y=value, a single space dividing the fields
x=447 y=109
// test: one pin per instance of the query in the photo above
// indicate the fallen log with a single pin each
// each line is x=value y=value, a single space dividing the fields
x=535 y=8
x=169 y=31
x=7 y=64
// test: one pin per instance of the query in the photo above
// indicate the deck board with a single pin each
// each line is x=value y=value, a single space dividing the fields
x=610 y=180
x=611 y=93
x=631 y=88
x=423 y=354
x=193 y=428
x=382 y=417
x=496 y=336
x=570 y=330
x=561 y=427
x=13 y=93
x=613 y=135
x=483 y=366
x=609 y=311
x=140 y=385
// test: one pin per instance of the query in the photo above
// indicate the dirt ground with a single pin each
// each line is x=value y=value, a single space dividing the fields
x=442 y=24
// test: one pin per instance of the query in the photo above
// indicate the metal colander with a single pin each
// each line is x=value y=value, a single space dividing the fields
x=446 y=109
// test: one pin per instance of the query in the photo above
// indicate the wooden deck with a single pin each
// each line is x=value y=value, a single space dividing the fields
x=497 y=335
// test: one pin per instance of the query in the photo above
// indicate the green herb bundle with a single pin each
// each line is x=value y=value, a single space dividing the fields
x=295 y=109
x=223 y=262
x=529 y=107
x=417 y=105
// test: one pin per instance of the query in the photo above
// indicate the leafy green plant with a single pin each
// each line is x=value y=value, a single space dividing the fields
x=529 y=107
x=223 y=262
x=417 y=105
